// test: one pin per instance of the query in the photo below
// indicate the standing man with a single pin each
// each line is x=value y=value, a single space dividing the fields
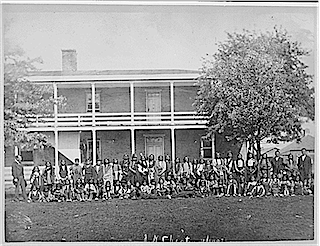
x=305 y=165
x=18 y=178
x=277 y=163
x=76 y=171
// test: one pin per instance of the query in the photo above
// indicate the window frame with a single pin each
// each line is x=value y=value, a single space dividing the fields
x=203 y=148
x=98 y=99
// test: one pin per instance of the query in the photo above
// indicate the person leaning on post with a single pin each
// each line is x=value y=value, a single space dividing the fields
x=18 y=178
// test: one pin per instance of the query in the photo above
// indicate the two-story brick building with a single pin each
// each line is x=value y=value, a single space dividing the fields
x=148 y=111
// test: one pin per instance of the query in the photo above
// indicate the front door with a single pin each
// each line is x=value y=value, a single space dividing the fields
x=154 y=145
x=153 y=104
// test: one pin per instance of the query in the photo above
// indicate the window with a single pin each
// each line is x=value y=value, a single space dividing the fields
x=206 y=147
x=89 y=102
x=27 y=157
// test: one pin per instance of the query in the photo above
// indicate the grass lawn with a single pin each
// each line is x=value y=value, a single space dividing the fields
x=230 y=218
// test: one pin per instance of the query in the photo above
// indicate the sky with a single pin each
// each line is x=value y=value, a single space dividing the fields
x=144 y=37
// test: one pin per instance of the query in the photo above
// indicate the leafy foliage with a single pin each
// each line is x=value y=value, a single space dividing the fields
x=256 y=86
x=22 y=100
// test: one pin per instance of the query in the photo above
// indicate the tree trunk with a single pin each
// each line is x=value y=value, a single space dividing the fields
x=258 y=149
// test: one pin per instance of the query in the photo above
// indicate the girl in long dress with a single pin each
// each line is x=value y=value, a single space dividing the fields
x=160 y=169
x=133 y=169
x=108 y=173
x=152 y=168
x=142 y=173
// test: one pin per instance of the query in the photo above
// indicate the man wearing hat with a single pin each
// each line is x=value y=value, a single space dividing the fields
x=18 y=178
x=305 y=165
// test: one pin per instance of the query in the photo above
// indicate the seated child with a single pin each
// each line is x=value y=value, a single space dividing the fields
x=161 y=188
x=260 y=190
x=203 y=188
x=171 y=186
x=251 y=189
x=117 y=189
x=144 y=190
x=291 y=185
x=307 y=187
x=90 y=190
x=57 y=193
x=123 y=194
x=275 y=185
x=79 y=190
x=266 y=184
x=107 y=190
x=221 y=186
x=152 y=188
x=284 y=186
x=232 y=186
x=67 y=190
x=213 y=185
x=298 y=186
x=100 y=189
x=136 y=192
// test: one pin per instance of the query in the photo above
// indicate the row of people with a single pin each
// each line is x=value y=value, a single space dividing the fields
x=283 y=184
x=147 y=169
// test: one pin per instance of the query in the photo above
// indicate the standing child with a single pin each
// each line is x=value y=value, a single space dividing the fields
x=242 y=186
x=266 y=184
x=152 y=168
x=100 y=189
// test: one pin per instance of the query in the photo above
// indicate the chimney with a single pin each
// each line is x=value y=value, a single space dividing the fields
x=69 y=60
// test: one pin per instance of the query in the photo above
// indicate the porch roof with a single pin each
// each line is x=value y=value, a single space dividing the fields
x=113 y=75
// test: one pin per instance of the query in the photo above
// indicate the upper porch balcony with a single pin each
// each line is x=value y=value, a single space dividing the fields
x=117 y=120
x=123 y=99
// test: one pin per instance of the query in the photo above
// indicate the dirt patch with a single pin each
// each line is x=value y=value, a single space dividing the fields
x=228 y=218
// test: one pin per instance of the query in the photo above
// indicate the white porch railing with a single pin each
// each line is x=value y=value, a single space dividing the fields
x=119 y=119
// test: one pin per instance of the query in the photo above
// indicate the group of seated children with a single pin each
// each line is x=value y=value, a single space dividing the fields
x=169 y=186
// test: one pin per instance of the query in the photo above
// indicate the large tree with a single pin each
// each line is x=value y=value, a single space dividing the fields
x=24 y=100
x=256 y=86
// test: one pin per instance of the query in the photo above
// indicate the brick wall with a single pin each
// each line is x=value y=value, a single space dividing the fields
x=76 y=100
x=114 y=100
x=188 y=142
x=184 y=98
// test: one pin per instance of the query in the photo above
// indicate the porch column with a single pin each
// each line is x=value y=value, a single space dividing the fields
x=94 y=146
x=132 y=142
x=131 y=101
x=93 y=100
x=56 y=136
x=172 y=101
x=213 y=147
x=94 y=138
x=173 y=148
